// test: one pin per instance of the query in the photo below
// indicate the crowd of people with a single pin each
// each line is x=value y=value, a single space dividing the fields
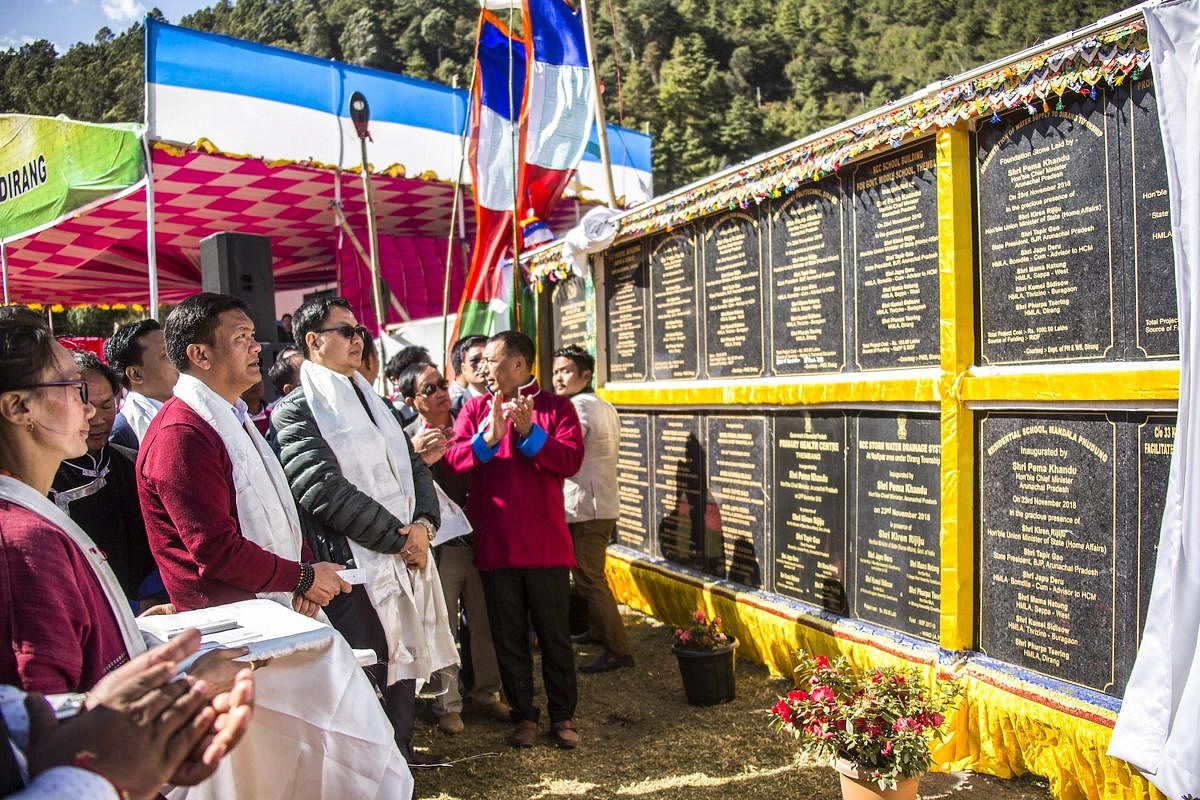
x=438 y=530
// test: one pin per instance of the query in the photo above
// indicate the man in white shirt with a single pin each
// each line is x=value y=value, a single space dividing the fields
x=592 y=504
x=137 y=352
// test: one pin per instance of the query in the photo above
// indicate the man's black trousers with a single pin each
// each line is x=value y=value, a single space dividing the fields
x=516 y=597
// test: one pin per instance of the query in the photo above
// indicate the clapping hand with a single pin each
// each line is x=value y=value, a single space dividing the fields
x=498 y=420
x=430 y=445
x=519 y=411
x=143 y=726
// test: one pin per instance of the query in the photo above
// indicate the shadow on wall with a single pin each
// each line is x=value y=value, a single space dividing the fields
x=692 y=532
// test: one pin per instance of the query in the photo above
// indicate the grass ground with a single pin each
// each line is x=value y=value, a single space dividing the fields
x=642 y=740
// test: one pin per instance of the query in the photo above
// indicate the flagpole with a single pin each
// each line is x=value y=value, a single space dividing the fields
x=454 y=215
x=151 y=243
x=516 y=242
x=601 y=130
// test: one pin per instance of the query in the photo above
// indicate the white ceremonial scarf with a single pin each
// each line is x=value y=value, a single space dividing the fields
x=1156 y=730
x=266 y=511
x=139 y=411
x=410 y=603
x=454 y=522
x=27 y=497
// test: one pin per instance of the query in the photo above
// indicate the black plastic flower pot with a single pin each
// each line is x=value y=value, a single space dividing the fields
x=707 y=675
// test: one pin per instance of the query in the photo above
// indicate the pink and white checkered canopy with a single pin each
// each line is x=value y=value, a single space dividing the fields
x=99 y=256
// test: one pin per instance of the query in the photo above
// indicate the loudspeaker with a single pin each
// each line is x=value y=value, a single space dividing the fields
x=240 y=264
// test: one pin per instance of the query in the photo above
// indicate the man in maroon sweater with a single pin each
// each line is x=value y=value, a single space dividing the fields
x=186 y=476
x=517 y=447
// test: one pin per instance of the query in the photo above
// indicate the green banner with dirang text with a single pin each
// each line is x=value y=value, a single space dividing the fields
x=51 y=167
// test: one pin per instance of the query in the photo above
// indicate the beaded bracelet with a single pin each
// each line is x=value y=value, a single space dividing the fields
x=307 y=576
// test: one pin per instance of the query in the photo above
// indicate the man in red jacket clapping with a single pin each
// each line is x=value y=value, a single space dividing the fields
x=518 y=445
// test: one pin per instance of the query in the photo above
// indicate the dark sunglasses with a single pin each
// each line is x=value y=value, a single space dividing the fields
x=81 y=385
x=430 y=389
x=349 y=331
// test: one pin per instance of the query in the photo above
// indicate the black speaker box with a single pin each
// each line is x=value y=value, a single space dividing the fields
x=240 y=264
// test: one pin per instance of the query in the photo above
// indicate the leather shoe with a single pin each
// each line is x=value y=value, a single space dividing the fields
x=565 y=734
x=525 y=734
x=606 y=662
x=494 y=709
x=450 y=723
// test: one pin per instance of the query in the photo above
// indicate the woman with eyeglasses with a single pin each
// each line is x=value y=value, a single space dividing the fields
x=65 y=616
x=428 y=393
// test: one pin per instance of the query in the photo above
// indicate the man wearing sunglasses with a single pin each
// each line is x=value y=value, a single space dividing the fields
x=366 y=500
x=423 y=387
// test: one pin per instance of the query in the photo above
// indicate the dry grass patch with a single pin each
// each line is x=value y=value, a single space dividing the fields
x=642 y=740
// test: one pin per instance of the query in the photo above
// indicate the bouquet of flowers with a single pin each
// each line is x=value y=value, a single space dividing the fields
x=702 y=634
x=881 y=719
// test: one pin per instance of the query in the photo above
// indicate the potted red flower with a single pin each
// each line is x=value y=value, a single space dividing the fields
x=876 y=724
x=705 y=655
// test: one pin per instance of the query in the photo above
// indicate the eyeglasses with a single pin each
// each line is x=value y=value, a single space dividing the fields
x=475 y=360
x=348 y=331
x=430 y=389
x=81 y=385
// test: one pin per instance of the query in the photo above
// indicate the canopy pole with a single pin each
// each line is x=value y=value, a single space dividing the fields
x=151 y=249
x=601 y=129
x=455 y=215
x=4 y=268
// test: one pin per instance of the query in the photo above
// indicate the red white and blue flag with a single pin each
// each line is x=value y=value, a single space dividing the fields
x=551 y=88
x=495 y=115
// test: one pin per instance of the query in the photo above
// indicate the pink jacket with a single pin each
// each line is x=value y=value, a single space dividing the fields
x=515 y=494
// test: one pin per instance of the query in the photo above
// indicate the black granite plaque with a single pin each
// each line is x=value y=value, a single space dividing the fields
x=807 y=279
x=626 y=279
x=680 y=494
x=896 y=554
x=809 y=508
x=1048 y=544
x=1155 y=314
x=633 y=483
x=1156 y=443
x=737 y=499
x=1046 y=279
x=895 y=229
x=733 y=297
x=573 y=315
x=675 y=323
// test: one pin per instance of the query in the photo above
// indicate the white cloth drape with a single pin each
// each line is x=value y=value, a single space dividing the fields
x=1157 y=729
x=410 y=603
